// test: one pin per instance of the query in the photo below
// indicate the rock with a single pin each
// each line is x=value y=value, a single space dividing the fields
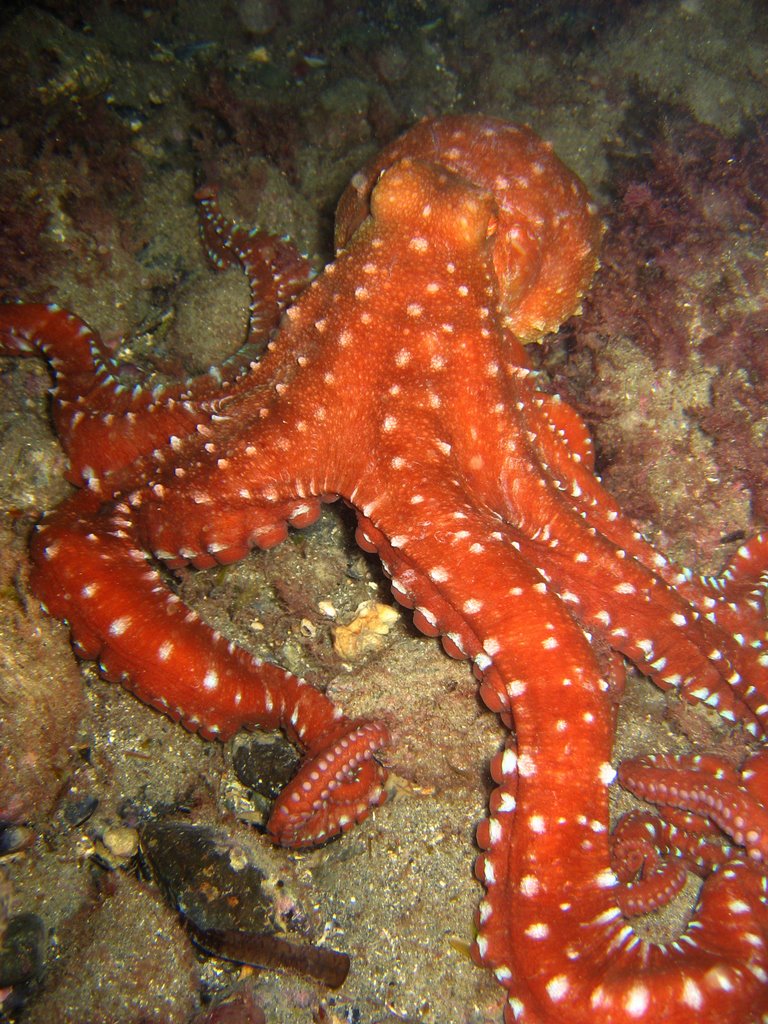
x=234 y=896
x=22 y=950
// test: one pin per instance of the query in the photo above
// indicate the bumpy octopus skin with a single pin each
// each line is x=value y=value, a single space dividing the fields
x=398 y=381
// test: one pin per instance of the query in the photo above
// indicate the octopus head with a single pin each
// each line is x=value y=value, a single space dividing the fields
x=546 y=229
x=414 y=198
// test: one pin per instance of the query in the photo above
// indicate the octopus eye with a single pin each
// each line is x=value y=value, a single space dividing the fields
x=493 y=226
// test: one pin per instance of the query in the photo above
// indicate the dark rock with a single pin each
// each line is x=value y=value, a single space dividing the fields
x=207 y=875
x=79 y=807
x=234 y=899
x=15 y=838
x=265 y=763
x=22 y=951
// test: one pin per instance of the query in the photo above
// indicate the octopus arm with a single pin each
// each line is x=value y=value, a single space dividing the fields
x=553 y=925
x=105 y=425
x=276 y=272
x=89 y=572
x=571 y=954
x=676 y=636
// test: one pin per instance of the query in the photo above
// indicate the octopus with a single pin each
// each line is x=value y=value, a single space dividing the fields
x=398 y=380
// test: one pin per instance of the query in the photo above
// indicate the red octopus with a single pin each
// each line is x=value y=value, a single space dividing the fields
x=398 y=381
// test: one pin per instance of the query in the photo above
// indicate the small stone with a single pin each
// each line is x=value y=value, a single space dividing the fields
x=365 y=633
x=121 y=841
x=14 y=839
x=78 y=808
x=266 y=764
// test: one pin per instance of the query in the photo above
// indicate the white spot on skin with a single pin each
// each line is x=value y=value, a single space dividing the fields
x=717 y=976
x=637 y=1000
x=210 y=679
x=611 y=914
x=529 y=885
x=692 y=995
x=165 y=650
x=738 y=907
x=558 y=988
x=606 y=879
x=606 y=774
x=625 y=588
x=509 y=763
x=119 y=626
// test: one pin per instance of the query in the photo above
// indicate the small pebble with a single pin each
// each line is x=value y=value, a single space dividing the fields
x=79 y=809
x=265 y=763
x=121 y=841
x=365 y=633
x=15 y=838
x=327 y=608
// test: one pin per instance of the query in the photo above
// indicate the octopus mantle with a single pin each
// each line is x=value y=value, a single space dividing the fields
x=398 y=381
